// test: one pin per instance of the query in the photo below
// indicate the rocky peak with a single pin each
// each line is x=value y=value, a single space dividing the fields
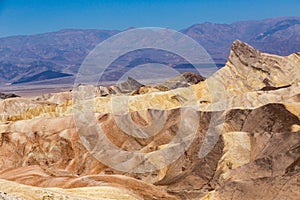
x=129 y=85
x=257 y=70
x=246 y=53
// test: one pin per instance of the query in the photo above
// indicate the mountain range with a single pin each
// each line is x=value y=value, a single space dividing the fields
x=59 y=54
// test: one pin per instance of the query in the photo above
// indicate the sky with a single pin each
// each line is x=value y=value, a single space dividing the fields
x=23 y=17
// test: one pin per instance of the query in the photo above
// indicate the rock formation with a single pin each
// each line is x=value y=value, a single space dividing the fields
x=6 y=96
x=234 y=135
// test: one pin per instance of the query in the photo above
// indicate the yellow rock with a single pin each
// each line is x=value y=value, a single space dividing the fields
x=236 y=151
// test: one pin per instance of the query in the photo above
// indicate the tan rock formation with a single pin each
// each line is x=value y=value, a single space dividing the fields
x=233 y=136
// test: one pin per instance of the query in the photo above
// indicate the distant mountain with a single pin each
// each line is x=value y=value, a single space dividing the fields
x=42 y=76
x=63 y=51
x=279 y=36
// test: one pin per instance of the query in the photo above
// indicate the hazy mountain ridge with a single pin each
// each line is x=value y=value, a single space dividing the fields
x=278 y=36
x=61 y=51
x=64 y=50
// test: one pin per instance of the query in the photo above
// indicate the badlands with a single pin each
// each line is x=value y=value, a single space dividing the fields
x=234 y=135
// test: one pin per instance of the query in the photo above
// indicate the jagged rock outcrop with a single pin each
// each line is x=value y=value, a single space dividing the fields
x=234 y=135
x=183 y=80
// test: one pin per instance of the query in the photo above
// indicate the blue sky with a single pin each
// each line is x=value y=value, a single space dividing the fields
x=19 y=17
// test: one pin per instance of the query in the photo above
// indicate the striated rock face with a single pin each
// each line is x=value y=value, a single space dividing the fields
x=234 y=135
x=250 y=70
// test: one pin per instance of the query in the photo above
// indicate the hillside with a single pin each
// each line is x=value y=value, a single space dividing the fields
x=234 y=135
